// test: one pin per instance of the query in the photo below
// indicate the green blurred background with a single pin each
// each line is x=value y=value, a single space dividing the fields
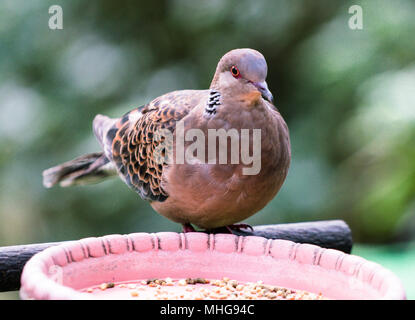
x=348 y=97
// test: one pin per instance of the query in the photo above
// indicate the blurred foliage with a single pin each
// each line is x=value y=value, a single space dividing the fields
x=348 y=97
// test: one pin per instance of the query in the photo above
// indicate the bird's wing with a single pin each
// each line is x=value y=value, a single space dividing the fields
x=131 y=141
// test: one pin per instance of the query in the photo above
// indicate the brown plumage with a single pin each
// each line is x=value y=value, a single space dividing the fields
x=209 y=195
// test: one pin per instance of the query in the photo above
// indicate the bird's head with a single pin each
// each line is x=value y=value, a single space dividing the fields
x=243 y=69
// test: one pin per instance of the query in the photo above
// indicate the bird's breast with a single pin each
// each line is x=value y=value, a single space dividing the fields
x=222 y=190
x=249 y=99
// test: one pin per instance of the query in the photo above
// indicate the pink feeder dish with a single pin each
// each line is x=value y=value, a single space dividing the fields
x=109 y=267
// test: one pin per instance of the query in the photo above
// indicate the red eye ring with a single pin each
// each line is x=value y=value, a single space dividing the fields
x=235 y=71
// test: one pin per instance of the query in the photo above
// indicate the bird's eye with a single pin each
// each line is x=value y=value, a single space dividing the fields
x=235 y=71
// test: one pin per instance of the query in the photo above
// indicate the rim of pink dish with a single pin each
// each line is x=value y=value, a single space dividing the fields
x=62 y=271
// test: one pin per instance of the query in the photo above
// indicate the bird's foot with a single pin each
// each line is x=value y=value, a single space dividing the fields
x=230 y=228
x=187 y=227
x=238 y=227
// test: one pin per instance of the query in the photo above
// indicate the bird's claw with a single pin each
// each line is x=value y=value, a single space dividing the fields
x=187 y=227
x=238 y=227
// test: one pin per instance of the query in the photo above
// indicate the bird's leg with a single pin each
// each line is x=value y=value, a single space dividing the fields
x=187 y=227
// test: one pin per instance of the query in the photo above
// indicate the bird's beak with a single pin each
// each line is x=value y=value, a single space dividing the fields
x=263 y=88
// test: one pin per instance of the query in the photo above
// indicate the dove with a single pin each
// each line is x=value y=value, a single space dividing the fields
x=213 y=190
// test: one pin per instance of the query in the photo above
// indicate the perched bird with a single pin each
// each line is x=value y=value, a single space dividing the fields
x=218 y=192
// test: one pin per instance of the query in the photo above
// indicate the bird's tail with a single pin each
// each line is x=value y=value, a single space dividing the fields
x=86 y=169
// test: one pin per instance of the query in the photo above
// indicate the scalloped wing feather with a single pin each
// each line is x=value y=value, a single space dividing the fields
x=130 y=142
